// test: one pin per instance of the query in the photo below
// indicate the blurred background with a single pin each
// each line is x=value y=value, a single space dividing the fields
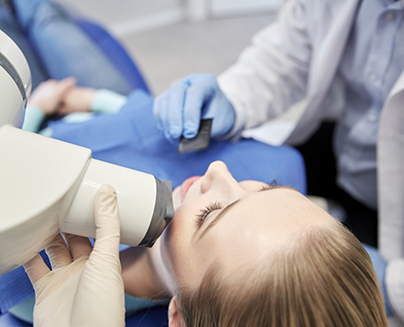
x=170 y=39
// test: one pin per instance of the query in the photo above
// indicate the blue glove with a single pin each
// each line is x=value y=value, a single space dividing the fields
x=180 y=109
x=380 y=264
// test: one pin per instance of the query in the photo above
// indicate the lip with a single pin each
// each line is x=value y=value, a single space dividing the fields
x=185 y=186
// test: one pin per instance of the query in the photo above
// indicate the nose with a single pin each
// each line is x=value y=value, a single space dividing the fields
x=218 y=177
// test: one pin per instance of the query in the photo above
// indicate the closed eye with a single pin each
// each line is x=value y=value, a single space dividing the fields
x=268 y=186
x=205 y=212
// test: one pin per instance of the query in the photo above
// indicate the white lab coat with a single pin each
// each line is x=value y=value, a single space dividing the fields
x=282 y=87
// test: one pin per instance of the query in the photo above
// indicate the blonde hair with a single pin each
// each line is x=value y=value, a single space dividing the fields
x=326 y=279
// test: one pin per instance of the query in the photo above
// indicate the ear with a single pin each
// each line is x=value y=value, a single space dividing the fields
x=174 y=318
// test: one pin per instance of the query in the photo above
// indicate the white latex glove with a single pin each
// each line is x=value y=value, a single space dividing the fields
x=85 y=287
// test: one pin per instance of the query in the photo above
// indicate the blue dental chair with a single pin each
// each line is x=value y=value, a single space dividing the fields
x=115 y=52
x=286 y=165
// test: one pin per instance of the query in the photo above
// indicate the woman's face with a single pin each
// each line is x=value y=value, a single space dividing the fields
x=221 y=221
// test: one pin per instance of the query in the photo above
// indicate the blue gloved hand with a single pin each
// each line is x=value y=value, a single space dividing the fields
x=380 y=264
x=179 y=110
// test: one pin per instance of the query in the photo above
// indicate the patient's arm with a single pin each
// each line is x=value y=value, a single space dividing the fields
x=49 y=95
x=144 y=274
x=84 y=99
x=46 y=100
x=79 y=99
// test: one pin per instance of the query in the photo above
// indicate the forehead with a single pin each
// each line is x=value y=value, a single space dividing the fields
x=265 y=219
x=275 y=204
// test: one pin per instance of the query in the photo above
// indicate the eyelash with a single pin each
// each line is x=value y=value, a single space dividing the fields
x=269 y=185
x=204 y=213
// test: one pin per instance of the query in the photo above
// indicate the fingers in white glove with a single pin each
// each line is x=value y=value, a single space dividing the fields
x=106 y=221
x=36 y=269
x=58 y=253
x=79 y=246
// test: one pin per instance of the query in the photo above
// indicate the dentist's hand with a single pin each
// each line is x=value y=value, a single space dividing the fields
x=380 y=264
x=179 y=110
x=85 y=287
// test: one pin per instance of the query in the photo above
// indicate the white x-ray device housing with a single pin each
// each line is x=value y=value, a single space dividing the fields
x=48 y=186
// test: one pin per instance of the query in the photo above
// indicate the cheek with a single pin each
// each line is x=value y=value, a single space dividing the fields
x=177 y=197
x=165 y=249
x=177 y=243
x=171 y=238
x=171 y=250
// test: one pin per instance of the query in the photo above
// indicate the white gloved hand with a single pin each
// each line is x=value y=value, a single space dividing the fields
x=85 y=287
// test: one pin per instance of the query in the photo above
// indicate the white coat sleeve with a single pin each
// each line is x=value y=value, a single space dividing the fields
x=395 y=286
x=271 y=74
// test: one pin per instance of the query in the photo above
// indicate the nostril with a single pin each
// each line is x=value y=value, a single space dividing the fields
x=205 y=184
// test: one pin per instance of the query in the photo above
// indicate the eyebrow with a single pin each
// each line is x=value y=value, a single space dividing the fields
x=231 y=205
